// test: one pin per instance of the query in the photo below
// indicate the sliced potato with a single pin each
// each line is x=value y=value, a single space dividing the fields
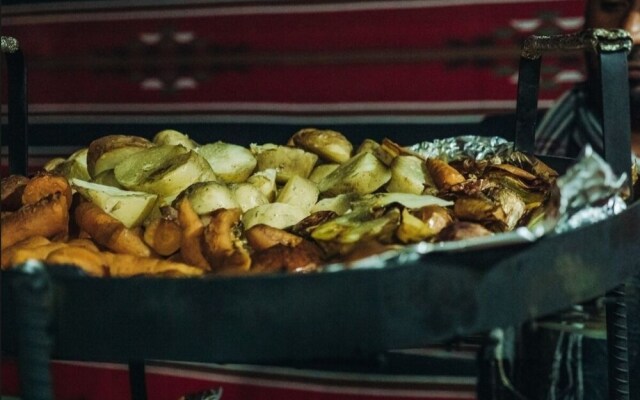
x=80 y=155
x=156 y=211
x=173 y=137
x=331 y=146
x=362 y=174
x=356 y=227
x=133 y=171
x=230 y=162
x=108 y=178
x=321 y=171
x=412 y=229
x=287 y=161
x=206 y=197
x=300 y=192
x=277 y=215
x=409 y=175
x=51 y=165
x=129 y=207
x=248 y=196
x=408 y=200
x=108 y=151
x=265 y=181
x=70 y=169
x=164 y=170
x=368 y=145
x=339 y=204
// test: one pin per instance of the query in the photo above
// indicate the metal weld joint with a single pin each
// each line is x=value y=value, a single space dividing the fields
x=595 y=40
x=9 y=44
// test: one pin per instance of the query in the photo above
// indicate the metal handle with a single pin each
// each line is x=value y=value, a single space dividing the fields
x=612 y=47
x=17 y=105
x=595 y=40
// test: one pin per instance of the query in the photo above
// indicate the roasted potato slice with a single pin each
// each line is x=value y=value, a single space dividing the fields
x=248 y=196
x=206 y=197
x=107 y=178
x=331 y=146
x=164 y=170
x=52 y=164
x=300 y=192
x=108 y=231
x=408 y=200
x=230 y=162
x=277 y=215
x=173 y=137
x=342 y=234
x=72 y=169
x=362 y=174
x=428 y=222
x=409 y=175
x=339 y=204
x=287 y=161
x=265 y=181
x=321 y=171
x=108 y=151
x=128 y=207
x=368 y=146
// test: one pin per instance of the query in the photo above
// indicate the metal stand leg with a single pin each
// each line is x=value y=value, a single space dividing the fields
x=17 y=138
x=137 y=380
x=617 y=345
x=487 y=387
x=32 y=291
x=632 y=298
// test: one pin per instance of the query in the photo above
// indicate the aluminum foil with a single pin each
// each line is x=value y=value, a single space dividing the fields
x=589 y=192
x=476 y=147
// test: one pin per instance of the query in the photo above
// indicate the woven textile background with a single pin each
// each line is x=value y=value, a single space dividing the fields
x=257 y=71
x=254 y=71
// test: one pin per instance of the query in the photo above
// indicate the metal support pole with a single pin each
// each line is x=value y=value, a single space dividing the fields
x=616 y=121
x=617 y=345
x=33 y=298
x=137 y=380
x=17 y=137
x=527 y=104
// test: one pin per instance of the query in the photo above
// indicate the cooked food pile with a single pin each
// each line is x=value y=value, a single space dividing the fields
x=127 y=206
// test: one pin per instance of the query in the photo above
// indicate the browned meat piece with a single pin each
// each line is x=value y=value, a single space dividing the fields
x=48 y=217
x=45 y=184
x=305 y=257
x=462 y=230
x=11 y=189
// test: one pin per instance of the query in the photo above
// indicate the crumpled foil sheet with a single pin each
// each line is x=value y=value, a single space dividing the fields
x=476 y=147
x=589 y=192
